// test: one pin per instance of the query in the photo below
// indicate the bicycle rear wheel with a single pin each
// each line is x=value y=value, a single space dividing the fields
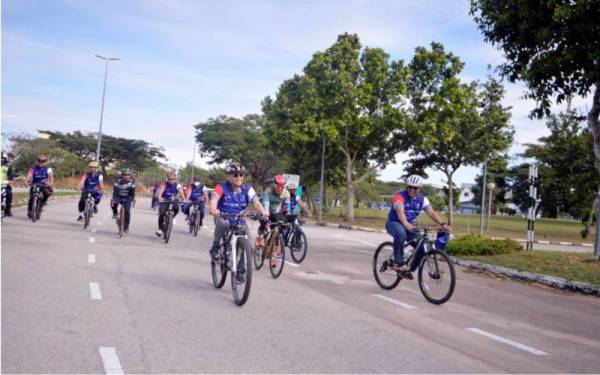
x=298 y=245
x=277 y=258
x=242 y=280
x=383 y=258
x=437 y=277
x=218 y=268
x=259 y=257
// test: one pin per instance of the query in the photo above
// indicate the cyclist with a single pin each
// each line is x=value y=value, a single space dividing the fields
x=42 y=175
x=296 y=204
x=170 y=190
x=6 y=178
x=195 y=193
x=124 y=194
x=276 y=199
x=231 y=197
x=91 y=181
x=402 y=218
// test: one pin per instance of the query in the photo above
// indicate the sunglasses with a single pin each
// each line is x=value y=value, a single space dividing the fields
x=413 y=188
x=42 y=160
x=237 y=174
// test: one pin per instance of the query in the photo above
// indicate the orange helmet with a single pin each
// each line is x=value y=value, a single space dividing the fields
x=279 y=180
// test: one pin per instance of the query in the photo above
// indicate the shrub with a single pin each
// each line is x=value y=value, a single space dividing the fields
x=473 y=245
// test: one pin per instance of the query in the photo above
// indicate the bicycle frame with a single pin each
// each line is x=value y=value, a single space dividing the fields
x=232 y=234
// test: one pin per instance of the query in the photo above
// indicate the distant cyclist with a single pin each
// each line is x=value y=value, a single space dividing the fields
x=123 y=194
x=91 y=181
x=402 y=219
x=169 y=191
x=6 y=179
x=296 y=204
x=196 y=193
x=40 y=174
x=231 y=197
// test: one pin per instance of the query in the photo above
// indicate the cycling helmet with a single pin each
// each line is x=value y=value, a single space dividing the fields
x=171 y=175
x=414 y=180
x=279 y=180
x=234 y=168
x=125 y=172
x=291 y=186
x=93 y=164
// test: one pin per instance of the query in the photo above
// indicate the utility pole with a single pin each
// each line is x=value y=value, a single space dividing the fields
x=106 y=60
x=491 y=187
x=322 y=182
x=482 y=198
x=534 y=204
x=193 y=162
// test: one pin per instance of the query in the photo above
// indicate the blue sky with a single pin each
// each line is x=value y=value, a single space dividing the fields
x=185 y=61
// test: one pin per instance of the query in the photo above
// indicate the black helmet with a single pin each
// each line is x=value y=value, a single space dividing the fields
x=125 y=172
x=234 y=168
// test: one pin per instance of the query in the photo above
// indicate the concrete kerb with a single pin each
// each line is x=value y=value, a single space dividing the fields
x=555 y=282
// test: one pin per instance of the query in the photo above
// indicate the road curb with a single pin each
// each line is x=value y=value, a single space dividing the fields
x=552 y=281
x=365 y=229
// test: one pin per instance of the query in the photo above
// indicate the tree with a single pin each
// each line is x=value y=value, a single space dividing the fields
x=497 y=172
x=355 y=100
x=227 y=139
x=453 y=124
x=553 y=46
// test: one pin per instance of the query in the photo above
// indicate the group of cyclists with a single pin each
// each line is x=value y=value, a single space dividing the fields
x=232 y=197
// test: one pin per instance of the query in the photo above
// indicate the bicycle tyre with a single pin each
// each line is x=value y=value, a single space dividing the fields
x=381 y=265
x=219 y=269
x=196 y=222
x=243 y=252
x=299 y=254
x=167 y=226
x=34 y=203
x=438 y=257
x=276 y=271
x=121 y=221
x=259 y=257
x=87 y=214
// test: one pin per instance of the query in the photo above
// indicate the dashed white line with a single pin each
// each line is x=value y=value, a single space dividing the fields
x=110 y=360
x=95 y=293
x=99 y=223
x=91 y=258
x=292 y=264
x=506 y=341
x=393 y=301
x=92 y=240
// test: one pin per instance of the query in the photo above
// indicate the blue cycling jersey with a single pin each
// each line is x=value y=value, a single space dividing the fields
x=412 y=206
x=92 y=181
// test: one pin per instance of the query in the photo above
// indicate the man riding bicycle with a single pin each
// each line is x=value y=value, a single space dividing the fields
x=195 y=193
x=40 y=174
x=296 y=204
x=91 y=182
x=231 y=197
x=6 y=178
x=169 y=191
x=276 y=199
x=402 y=218
x=124 y=194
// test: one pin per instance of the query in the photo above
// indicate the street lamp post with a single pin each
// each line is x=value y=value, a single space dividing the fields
x=106 y=60
x=491 y=187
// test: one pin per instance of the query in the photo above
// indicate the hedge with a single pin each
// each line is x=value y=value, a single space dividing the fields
x=473 y=245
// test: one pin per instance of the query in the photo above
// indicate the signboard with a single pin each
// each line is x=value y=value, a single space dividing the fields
x=292 y=178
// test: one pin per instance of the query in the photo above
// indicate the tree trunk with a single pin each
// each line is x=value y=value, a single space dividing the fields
x=594 y=123
x=590 y=219
x=350 y=188
x=450 y=198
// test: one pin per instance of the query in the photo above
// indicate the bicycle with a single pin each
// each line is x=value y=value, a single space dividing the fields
x=4 y=194
x=88 y=211
x=234 y=245
x=195 y=221
x=435 y=269
x=36 y=202
x=272 y=239
x=295 y=238
x=168 y=222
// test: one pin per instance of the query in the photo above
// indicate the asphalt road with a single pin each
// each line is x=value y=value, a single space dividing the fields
x=85 y=301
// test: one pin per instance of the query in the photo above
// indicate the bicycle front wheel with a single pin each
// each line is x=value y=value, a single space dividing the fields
x=87 y=215
x=259 y=257
x=242 y=280
x=34 y=204
x=298 y=245
x=196 y=223
x=121 y=221
x=277 y=258
x=218 y=269
x=383 y=258
x=168 y=225
x=437 y=277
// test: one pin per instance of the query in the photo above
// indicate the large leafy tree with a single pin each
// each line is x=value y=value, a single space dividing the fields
x=553 y=46
x=453 y=124
x=225 y=139
x=354 y=98
x=497 y=173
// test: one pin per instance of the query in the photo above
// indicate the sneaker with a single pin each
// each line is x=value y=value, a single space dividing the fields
x=29 y=214
x=126 y=230
x=8 y=213
x=407 y=274
x=159 y=233
x=398 y=266
x=80 y=218
x=273 y=263
x=95 y=209
x=260 y=242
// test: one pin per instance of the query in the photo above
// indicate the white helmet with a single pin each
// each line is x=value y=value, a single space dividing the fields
x=414 y=180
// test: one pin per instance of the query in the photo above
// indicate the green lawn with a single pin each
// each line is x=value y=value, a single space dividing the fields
x=24 y=195
x=572 y=266
x=500 y=226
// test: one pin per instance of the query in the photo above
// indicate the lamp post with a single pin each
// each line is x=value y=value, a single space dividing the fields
x=106 y=60
x=491 y=187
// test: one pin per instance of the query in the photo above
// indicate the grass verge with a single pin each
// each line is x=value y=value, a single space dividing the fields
x=571 y=266
x=23 y=195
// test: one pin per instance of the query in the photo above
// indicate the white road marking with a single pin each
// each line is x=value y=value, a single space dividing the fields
x=174 y=222
x=99 y=223
x=94 y=230
x=91 y=258
x=292 y=264
x=355 y=240
x=397 y=303
x=506 y=341
x=95 y=293
x=92 y=240
x=110 y=360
